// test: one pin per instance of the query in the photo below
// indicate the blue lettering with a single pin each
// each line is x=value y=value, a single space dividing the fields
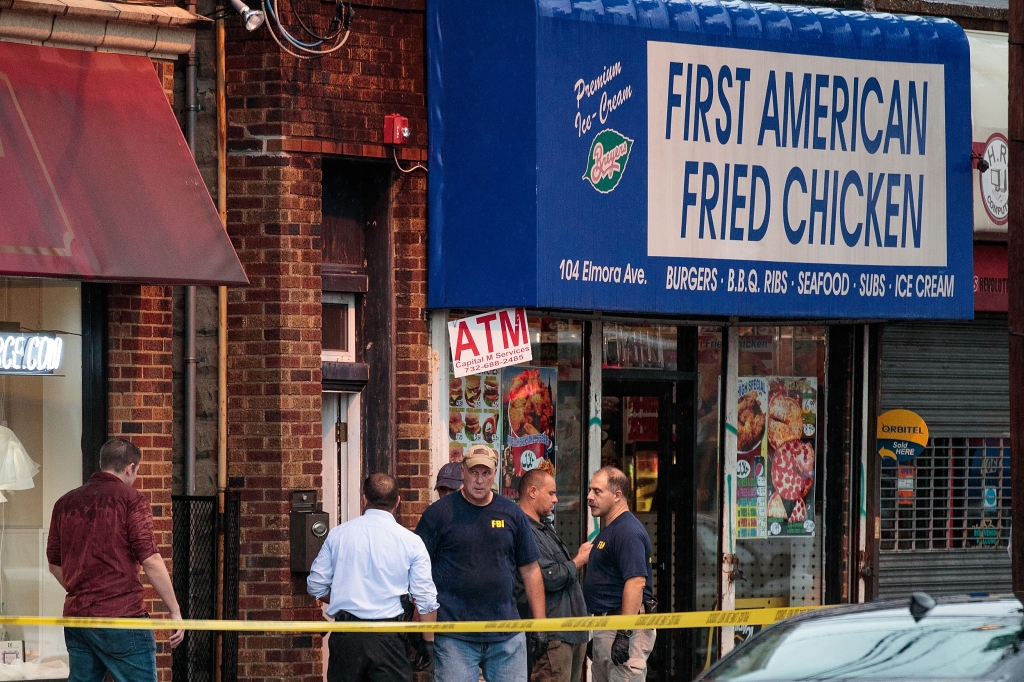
x=919 y=116
x=674 y=101
x=770 y=121
x=742 y=76
x=703 y=104
x=689 y=198
x=853 y=117
x=689 y=91
x=820 y=110
x=818 y=206
x=725 y=73
x=915 y=217
x=725 y=204
x=738 y=201
x=759 y=173
x=870 y=143
x=796 y=117
x=894 y=129
x=835 y=199
x=839 y=114
x=795 y=175
x=708 y=203
x=852 y=179
x=891 y=210
x=870 y=214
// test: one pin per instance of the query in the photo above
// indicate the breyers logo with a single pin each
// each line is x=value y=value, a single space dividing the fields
x=609 y=153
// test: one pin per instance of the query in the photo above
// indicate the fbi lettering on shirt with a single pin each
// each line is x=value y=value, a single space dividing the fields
x=497 y=523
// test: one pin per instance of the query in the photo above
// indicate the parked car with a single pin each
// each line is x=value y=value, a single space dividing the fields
x=920 y=639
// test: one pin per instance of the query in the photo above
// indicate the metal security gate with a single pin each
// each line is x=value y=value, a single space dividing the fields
x=194 y=543
x=945 y=516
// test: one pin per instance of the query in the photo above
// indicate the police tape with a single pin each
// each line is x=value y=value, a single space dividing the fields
x=658 y=621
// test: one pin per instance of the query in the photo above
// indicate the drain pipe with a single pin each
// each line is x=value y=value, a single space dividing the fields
x=222 y=337
x=191 y=107
x=222 y=292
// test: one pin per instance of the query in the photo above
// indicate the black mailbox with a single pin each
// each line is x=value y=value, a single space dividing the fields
x=309 y=526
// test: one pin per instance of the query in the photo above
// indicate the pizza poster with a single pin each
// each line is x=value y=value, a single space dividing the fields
x=776 y=436
x=528 y=425
x=474 y=412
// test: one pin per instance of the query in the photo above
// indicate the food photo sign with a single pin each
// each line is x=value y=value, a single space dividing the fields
x=528 y=402
x=775 y=456
x=474 y=412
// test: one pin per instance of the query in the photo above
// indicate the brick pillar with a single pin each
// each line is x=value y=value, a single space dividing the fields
x=139 y=399
x=409 y=222
x=274 y=389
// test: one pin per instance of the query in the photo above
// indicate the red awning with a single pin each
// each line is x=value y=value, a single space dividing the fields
x=96 y=181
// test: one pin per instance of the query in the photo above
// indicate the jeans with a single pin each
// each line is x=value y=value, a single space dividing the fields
x=129 y=655
x=457 y=660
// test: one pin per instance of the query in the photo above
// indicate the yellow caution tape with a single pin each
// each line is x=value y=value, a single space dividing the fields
x=697 y=619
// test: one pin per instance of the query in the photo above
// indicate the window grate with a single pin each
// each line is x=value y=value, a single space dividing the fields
x=954 y=495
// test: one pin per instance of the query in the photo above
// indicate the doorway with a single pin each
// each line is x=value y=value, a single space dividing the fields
x=342 y=467
x=648 y=422
x=341 y=456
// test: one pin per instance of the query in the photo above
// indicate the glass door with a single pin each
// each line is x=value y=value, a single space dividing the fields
x=648 y=423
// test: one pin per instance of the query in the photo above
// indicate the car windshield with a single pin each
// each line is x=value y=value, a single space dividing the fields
x=875 y=645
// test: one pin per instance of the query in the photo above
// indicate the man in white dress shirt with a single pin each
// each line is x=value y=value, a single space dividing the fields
x=363 y=570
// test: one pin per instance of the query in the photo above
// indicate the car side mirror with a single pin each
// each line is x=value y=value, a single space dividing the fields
x=920 y=604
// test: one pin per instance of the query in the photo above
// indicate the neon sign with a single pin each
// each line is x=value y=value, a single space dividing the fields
x=30 y=353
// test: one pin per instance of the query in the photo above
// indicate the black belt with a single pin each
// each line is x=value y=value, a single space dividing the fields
x=607 y=613
x=346 y=617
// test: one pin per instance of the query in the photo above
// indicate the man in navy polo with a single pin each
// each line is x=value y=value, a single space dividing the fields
x=477 y=541
x=619 y=580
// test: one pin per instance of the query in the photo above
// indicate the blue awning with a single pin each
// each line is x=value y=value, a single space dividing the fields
x=704 y=158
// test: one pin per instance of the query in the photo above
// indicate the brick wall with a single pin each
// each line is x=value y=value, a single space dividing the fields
x=139 y=400
x=274 y=393
x=283 y=116
x=413 y=346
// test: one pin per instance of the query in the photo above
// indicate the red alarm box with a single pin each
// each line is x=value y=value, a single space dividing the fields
x=396 y=129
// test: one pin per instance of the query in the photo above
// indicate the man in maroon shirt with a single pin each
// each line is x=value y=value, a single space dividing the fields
x=99 y=535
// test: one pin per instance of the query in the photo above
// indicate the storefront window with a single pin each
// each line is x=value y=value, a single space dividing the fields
x=778 y=497
x=44 y=413
x=531 y=414
x=639 y=346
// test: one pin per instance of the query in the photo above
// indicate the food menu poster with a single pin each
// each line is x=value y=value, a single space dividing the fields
x=528 y=399
x=776 y=436
x=474 y=412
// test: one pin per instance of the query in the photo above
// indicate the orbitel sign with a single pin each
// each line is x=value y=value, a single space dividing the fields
x=489 y=341
x=717 y=160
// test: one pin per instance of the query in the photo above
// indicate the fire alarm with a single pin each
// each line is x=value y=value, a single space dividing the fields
x=396 y=129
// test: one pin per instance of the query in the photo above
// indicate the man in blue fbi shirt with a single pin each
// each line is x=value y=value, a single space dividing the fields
x=477 y=542
x=363 y=570
x=618 y=580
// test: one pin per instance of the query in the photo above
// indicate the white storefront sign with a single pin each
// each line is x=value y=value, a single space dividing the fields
x=489 y=340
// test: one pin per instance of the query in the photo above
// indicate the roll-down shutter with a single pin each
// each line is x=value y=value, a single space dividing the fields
x=954 y=374
x=950 y=535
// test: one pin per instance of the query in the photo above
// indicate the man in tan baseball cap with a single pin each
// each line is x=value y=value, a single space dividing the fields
x=476 y=584
x=480 y=454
